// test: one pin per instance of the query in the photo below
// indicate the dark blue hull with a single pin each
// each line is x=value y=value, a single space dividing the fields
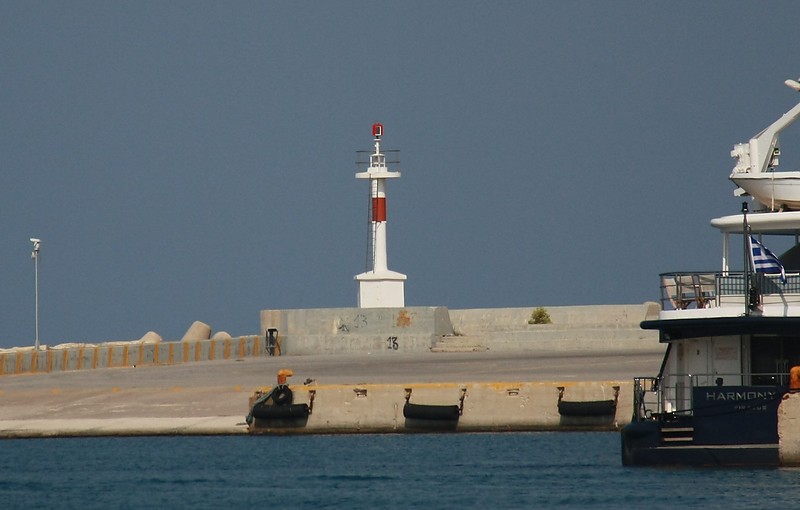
x=642 y=446
x=729 y=426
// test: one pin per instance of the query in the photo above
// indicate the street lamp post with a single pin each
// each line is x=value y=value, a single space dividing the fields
x=35 y=257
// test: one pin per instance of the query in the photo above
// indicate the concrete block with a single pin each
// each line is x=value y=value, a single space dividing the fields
x=186 y=353
x=358 y=321
x=514 y=406
x=6 y=362
x=570 y=340
x=473 y=321
x=56 y=359
x=85 y=357
x=22 y=360
x=72 y=359
x=147 y=355
x=197 y=331
x=115 y=353
x=133 y=354
x=214 y=350
x=39 y=361
x=161 y=353
x=358 y=330
x=245 y=346
x=789 y=430
x=201 y=350
x=150 y=337
x=101 y=359
x=226 y=347
x=461 y=343
x=259 y=347
x=300 y=345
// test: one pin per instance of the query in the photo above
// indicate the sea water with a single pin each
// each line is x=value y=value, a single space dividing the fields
x=431 y=471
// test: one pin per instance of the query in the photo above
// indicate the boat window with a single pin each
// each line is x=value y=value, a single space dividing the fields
x=772 y=357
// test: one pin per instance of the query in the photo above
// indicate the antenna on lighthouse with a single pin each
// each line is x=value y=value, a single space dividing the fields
x=378 y=287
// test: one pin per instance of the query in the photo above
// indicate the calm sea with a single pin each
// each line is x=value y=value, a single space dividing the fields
x=431 y=471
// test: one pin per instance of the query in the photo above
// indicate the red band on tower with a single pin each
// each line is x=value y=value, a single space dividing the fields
x=378 y=209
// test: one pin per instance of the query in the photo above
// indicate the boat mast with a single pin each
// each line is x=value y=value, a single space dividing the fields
x=746 y=244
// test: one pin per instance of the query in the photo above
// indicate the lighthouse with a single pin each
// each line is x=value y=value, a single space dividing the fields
x=378 y=287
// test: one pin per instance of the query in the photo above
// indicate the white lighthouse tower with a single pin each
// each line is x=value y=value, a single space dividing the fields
x=379 y=287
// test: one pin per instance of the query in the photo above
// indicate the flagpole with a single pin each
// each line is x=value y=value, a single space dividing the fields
x=746 y=243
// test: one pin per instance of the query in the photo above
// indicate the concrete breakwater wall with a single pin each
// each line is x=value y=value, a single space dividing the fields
x=358 y=330
x=128 y=354
x=495 y=320
x=484 y=407
x=365 y=331
x=422 y=329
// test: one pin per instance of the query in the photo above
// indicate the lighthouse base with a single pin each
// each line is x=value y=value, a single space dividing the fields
x=381 y=289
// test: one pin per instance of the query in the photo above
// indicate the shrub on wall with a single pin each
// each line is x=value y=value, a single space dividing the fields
x=540 y=316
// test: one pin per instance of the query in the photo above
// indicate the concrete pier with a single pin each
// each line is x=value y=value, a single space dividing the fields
x=359 y=368
x=212 y=397
x=487 y=406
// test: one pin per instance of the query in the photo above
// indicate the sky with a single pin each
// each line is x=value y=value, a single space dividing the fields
x=195 y=160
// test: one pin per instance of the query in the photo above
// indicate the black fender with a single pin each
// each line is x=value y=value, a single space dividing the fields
x=431 y=412
x=282 y=412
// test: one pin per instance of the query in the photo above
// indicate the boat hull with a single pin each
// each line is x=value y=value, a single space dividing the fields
x=765 y=456
x=776 y=190
x=728 y=426
x=642 y=446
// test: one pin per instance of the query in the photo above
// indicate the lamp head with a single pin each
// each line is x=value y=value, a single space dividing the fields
x=793 y=84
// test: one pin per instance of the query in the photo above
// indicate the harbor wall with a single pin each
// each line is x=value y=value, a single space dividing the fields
x=487 y=406
x=300 y=332
x=502 y=406
x=358 y=330
x=494 y=320
x=127 y=354
x=437 y=329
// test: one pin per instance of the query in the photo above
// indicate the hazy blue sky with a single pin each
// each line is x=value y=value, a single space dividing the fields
x=187 y=160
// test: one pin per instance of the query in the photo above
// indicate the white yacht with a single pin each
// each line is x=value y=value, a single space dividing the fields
x=731 y=335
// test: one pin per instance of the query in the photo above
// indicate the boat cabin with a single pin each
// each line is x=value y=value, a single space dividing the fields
x=732 y=337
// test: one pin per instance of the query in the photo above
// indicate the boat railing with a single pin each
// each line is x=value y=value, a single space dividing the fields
x=647 y=401
x=365 y=158
x=686 y=290
x=670 y=398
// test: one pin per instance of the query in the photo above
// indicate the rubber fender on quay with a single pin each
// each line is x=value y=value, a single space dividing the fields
x=431 y=412
x=284 y=412
x=590 y=408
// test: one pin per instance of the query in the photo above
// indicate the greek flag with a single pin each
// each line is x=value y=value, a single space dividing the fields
x=764 y=261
